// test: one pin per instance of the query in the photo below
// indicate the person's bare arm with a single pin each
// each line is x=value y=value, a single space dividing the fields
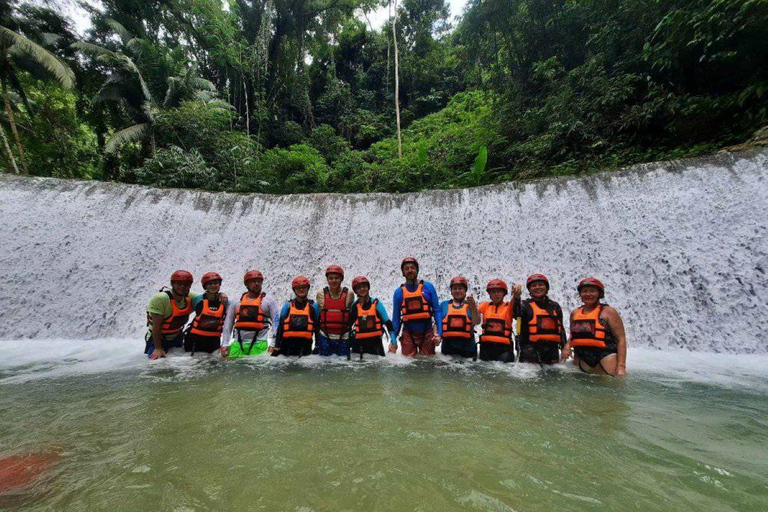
x=157 y=335
x=566 y=352
x=473 y=312
x=617 y=328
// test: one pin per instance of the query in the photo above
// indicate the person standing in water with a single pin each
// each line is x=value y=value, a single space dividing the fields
x=460 y=316
x=298 y=322
x=368 y=321
x=541 y=324
x=597 y=333
x=167 y=314
x=496 y=340
x=416 y=308
x=253 y=318
x=334 y=303
x=204 y=333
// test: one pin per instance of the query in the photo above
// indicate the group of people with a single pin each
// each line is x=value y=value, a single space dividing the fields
x=343 y=322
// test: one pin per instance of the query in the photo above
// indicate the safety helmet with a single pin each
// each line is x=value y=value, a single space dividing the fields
x=497 y=284
x=537 y=277
x=299 y=281
x=252 y=274
x=360 y=280
x=592 y=281
x=334 y=269
x=182 y=276
x=409 y=260
x=209 y=277
x=461 y=281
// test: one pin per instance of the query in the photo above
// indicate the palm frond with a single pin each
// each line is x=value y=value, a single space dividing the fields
x=120 y=30
x=34 y=51
x=131 y=134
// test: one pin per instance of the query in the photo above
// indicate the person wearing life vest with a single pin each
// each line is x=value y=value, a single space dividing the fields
x=496 y=342
x=541 y=324
x=298 y=323
x=460 y=316
x=416 y=309
x=597 y=336
x=335 y=304
x=250 y=322
x=368 y=321
x=167 y=314
x=204 y=333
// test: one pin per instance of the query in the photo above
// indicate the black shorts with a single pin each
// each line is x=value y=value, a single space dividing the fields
x=459 y=347
x=592 y=356
x=371 y=346
x=294 y=347
x=541 y=352
x=497 y=352
x=209 y=344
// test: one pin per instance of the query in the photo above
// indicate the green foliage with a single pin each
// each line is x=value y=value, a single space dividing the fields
x=175 y=167
x=300 y=169
x=56 y=141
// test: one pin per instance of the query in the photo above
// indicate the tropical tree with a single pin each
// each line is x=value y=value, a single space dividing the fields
x=17 y=54
x=126 y=85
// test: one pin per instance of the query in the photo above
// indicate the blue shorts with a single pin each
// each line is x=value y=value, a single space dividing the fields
x=167 y=344
x=459 y=347
x=329 y=347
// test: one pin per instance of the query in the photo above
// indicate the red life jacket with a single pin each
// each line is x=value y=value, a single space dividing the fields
x=334 y=316
x=586 y=329
x=178 y=319
x=299 y=323
x=456 y=322
x=210 y=321
x=250 y=316
x=368 y=324
x=414 y=306
x=544 y=326
x=497 y=323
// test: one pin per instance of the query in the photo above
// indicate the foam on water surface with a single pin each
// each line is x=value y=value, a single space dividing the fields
x=681 y=246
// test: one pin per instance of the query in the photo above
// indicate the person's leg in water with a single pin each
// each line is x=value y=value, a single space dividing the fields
x=597 y=362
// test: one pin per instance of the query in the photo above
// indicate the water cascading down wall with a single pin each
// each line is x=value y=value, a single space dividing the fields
x=681 y=246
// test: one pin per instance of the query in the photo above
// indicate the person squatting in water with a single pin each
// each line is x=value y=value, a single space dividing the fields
x=343 y=322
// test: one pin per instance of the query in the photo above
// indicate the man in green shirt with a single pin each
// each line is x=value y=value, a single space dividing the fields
x=167 y=314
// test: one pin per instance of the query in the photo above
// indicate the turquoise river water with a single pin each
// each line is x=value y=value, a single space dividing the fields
x=683 y=431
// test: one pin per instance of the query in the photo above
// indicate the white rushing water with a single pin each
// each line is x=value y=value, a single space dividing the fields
x=681 y=246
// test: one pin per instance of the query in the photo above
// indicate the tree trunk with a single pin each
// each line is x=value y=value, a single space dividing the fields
x=12 y=122
x=397 y=86
x=8 y=150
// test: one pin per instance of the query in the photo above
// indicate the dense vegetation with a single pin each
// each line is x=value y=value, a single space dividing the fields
x=292 y=96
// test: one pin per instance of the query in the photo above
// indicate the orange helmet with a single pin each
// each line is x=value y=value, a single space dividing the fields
x=460 y=281
x=537 y=278
x=360 y=280
x=591 y=281
x=210 y=277
x=299 y=281
x=409 y=260
x=334 y=269
x=182 y=276
x=252 y=274
x=497 y=284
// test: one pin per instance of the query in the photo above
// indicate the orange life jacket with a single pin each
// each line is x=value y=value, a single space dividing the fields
x=456 y=322
x=334 y=316
x=210 y=322
x=178 y=319
x=250 y=316
x=497 y=323
x=299 y=323
x=414 y=306
x=544 y=326
x=586 y=329
x=368 y=324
